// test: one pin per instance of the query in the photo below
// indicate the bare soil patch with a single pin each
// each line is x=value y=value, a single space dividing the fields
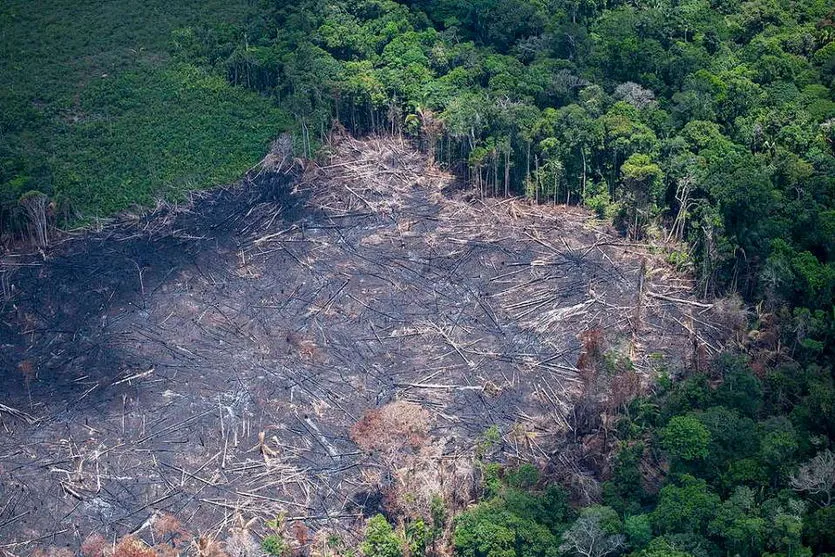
x=212 y=359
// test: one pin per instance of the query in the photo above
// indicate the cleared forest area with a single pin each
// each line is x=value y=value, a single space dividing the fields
x=214 y=359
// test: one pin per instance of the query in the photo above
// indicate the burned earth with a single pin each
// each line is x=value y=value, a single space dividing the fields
x=219 y=359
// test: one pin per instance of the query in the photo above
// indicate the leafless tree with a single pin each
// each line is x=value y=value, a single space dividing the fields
x=588 y=536
x=564 y=82
x=432 y=127
x=35 y=204
x=817 y=477
x=685 y=205
x=634 y=94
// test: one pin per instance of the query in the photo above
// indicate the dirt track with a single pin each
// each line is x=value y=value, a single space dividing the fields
x=150 y=356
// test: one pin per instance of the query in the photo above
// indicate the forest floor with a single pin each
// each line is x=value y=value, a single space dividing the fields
x=209 y=359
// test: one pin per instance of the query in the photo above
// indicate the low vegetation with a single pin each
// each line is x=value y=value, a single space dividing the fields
x=99 y=116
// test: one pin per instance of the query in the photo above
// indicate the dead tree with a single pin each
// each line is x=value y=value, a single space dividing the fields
x=35 y=204
x=677 y=231
x=588 y=537
x=817 y=477
x=432 y=128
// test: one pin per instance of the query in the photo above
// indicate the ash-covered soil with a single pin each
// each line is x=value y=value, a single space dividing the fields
x=210 y=359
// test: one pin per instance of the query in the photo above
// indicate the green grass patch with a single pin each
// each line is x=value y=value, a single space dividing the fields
x=161 y=133
x=97 y=114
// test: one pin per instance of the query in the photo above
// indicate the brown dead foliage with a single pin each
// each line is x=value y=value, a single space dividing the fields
x=168 y=528
x=95 y=545
x=130 y=546
x=301 y=533
x=392 y=427
x=591 y=355
x=206 y=546
x=418 y=468
x=52 y=551
x=301 y=539
x=624 y=387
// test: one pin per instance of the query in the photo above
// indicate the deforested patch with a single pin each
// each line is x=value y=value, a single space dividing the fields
x=343 y=337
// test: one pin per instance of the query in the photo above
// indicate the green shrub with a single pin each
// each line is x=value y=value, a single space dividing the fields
x=381 y=539
x=275 y=545
x=513 y=520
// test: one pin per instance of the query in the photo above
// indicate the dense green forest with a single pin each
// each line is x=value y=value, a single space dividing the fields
x=709 y=123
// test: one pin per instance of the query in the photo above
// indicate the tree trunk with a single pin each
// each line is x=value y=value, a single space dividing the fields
x=538 y=178
x=556 y=187
x=583 y=153
x=528 y=165
x=507 y=172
